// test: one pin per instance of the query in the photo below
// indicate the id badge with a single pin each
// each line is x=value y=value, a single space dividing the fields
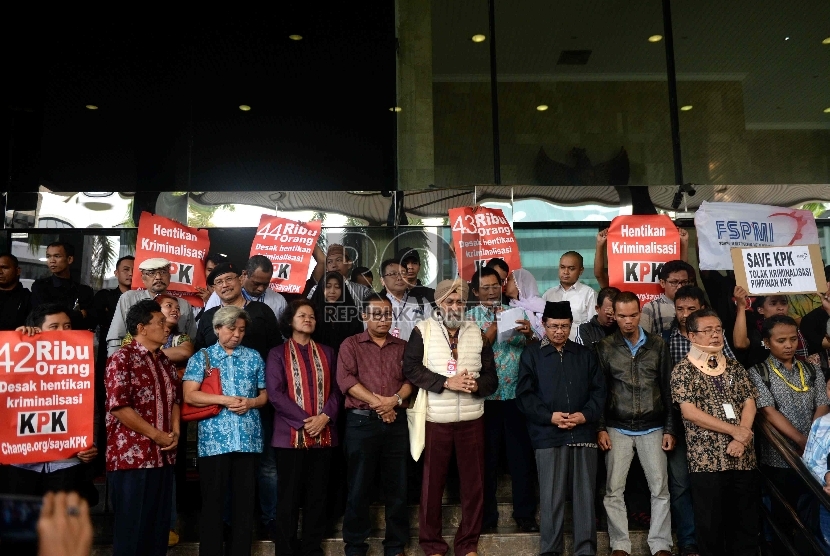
x=452 y=366
x=729 y=410
x=396 y=332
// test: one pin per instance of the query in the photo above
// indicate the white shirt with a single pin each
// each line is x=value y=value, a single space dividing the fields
x=406 y=313
x=271 y=298
x=583 y=300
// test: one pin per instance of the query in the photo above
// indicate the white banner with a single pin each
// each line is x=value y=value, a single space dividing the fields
x=779 y=270
x=722 y=226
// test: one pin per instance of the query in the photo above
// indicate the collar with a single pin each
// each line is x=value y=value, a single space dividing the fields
x=640 y=341
x=217 y=352
x=143 y=349
x=675 y=331
x=58 y=281
x=549 y=349
x=576 y=285
x=664 y=299
x=364 y=337
x=249 y=297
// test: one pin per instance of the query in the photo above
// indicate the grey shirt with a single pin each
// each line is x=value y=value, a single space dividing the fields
x=118 y=328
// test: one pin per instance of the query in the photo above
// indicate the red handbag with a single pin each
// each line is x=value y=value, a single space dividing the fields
x=211 y=384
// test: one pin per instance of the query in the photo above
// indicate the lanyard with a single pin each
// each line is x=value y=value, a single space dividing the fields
x=397 y=317
x=454 y=343
x=804 y=386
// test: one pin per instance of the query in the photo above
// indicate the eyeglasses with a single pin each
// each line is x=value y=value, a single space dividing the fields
x=160 y=272
x=393 y=274
x=679 y=283
x=378 y=316
x=709 y=331
x=222 y=282
x=557 y=326
x=490 y=288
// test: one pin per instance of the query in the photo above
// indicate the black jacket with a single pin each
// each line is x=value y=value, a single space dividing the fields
x=261 y=335
x=639 y=395
x=569 y=381
x=14 y=307
x=592 y=332
x=69 y=294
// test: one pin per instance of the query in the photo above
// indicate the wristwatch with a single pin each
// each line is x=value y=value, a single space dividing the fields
x=446 y=384
x=400 y=400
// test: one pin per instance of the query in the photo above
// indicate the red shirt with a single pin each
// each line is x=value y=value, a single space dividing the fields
x=150 y=385
x=378 y=368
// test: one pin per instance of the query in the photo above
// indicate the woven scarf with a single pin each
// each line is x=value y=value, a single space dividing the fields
x=299 y=390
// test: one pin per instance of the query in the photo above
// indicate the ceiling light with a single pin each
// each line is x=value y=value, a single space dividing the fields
x=827 y=110
x=42 y=259
x=686 y=108
x=244 y=107
x=91 y=107
x=395 y=109
x=786 y=38
x=295 y=37
x=542 y=107
x=655 y=38
x=826 y=41
x=478 y=38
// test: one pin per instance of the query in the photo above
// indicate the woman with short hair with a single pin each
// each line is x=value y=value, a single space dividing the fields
x=230 y=442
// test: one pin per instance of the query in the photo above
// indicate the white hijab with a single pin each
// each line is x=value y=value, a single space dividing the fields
x=529 y=299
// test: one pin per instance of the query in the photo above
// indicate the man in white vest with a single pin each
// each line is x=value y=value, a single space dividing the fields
x=449 y=359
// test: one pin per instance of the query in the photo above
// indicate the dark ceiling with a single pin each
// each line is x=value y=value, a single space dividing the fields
x=168 y=90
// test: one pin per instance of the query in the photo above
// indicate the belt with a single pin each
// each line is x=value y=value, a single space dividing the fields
x=370 y=413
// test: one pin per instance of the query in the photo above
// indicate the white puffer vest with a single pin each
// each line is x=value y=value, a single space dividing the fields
x=450 y=406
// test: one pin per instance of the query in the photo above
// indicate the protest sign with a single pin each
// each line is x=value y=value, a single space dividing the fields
x=46 y=395
x=289 y=246
x=480 y=234
x=638 y=247
x=723 y=226
x=186 y=248
x=779 y=270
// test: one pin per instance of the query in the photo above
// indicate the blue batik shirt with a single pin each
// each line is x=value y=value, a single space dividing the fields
x=242 y=374
x=507 y=354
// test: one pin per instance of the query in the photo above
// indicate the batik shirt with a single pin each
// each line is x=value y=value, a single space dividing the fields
x=507 y=353
x=818 y=448
x=148 y=383
x=242 y=373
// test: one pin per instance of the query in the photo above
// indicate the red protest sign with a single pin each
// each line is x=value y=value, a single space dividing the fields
x=46 y=395
x=638 y=247
x=186 y=248
x=480 y=234
x=289 y=246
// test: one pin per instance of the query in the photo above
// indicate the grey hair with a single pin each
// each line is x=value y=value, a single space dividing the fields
x=227 y=316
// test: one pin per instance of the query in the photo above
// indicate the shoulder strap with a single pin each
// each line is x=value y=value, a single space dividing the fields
x=207 y=361
x=427 y=330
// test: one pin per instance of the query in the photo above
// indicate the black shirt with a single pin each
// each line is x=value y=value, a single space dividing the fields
x=104 y=303
x=814 y=329
x=15 y=305
x=261 y=335
x=68 y=294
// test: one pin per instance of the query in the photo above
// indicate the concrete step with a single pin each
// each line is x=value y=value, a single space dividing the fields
x=506 y=541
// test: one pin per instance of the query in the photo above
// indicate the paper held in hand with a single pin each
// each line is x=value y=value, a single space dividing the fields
x=779 y=270
x=507 y=325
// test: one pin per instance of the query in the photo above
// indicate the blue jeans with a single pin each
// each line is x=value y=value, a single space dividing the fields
x=682 y=511
x=267 y=469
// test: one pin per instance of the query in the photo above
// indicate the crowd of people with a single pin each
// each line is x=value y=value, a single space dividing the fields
x=328 y=399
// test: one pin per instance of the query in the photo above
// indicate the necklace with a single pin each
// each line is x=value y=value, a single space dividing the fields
x=804 y=386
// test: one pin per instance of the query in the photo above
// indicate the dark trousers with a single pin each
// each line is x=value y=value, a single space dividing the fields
x=503 y=422
x=567 y=470
x=793 y=489
x=726 y=512
x=34 y=483
x=236 y=473
x=303 y=481
x=370 y=443
x=141 y=505
x=467 y=437
x=682 y=513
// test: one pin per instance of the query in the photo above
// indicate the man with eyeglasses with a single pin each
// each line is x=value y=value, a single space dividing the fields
x=561 y=391
x=407 y=309
x=370 y=374
x=637 y=417
x=155 y=277
x=449 y=359
x=256 y=286
x=657 y=315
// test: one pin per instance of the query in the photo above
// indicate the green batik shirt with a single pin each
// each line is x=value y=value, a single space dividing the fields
x=507 y=353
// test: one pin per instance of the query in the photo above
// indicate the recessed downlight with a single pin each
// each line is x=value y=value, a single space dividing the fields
x=395 y=109
x=244 y=107
x=826 y=41
x=91 y=107
x=478 y=38
x=655 y=38
x=827 y=110
x=295 y=37
x=542 y=107
x=686 y=107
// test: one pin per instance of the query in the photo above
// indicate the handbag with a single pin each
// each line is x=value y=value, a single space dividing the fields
x=416 y=416
x=211 y=384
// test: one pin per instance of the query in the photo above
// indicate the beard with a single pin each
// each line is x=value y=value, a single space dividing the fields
x=452 y=319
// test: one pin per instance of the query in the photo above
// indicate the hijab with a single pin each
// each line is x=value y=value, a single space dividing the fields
x=529 y=299
x=336 y=320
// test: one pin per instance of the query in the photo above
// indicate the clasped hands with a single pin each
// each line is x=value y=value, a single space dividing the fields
x=385 y=407
x=741 y=436
x=238 y=404
x=567 y=420
x=462 y=382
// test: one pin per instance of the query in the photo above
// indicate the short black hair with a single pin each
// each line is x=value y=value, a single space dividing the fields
x=574 y=254
x=373 y=296
x=68 y=248
x=141 y=313
x=771 y=322
x=482 y=272
x=216 y=258
x=691 y=292
x=259 y=262
x=38 y=315
x=626 y=297
x=362 y=271
x=607 y=293
x=758 y=302
x=499 y=263
x=12 y=257
x=288 y=316
x=676 y=266
x=122 y=259
x=691 y=320
x=386 y=263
